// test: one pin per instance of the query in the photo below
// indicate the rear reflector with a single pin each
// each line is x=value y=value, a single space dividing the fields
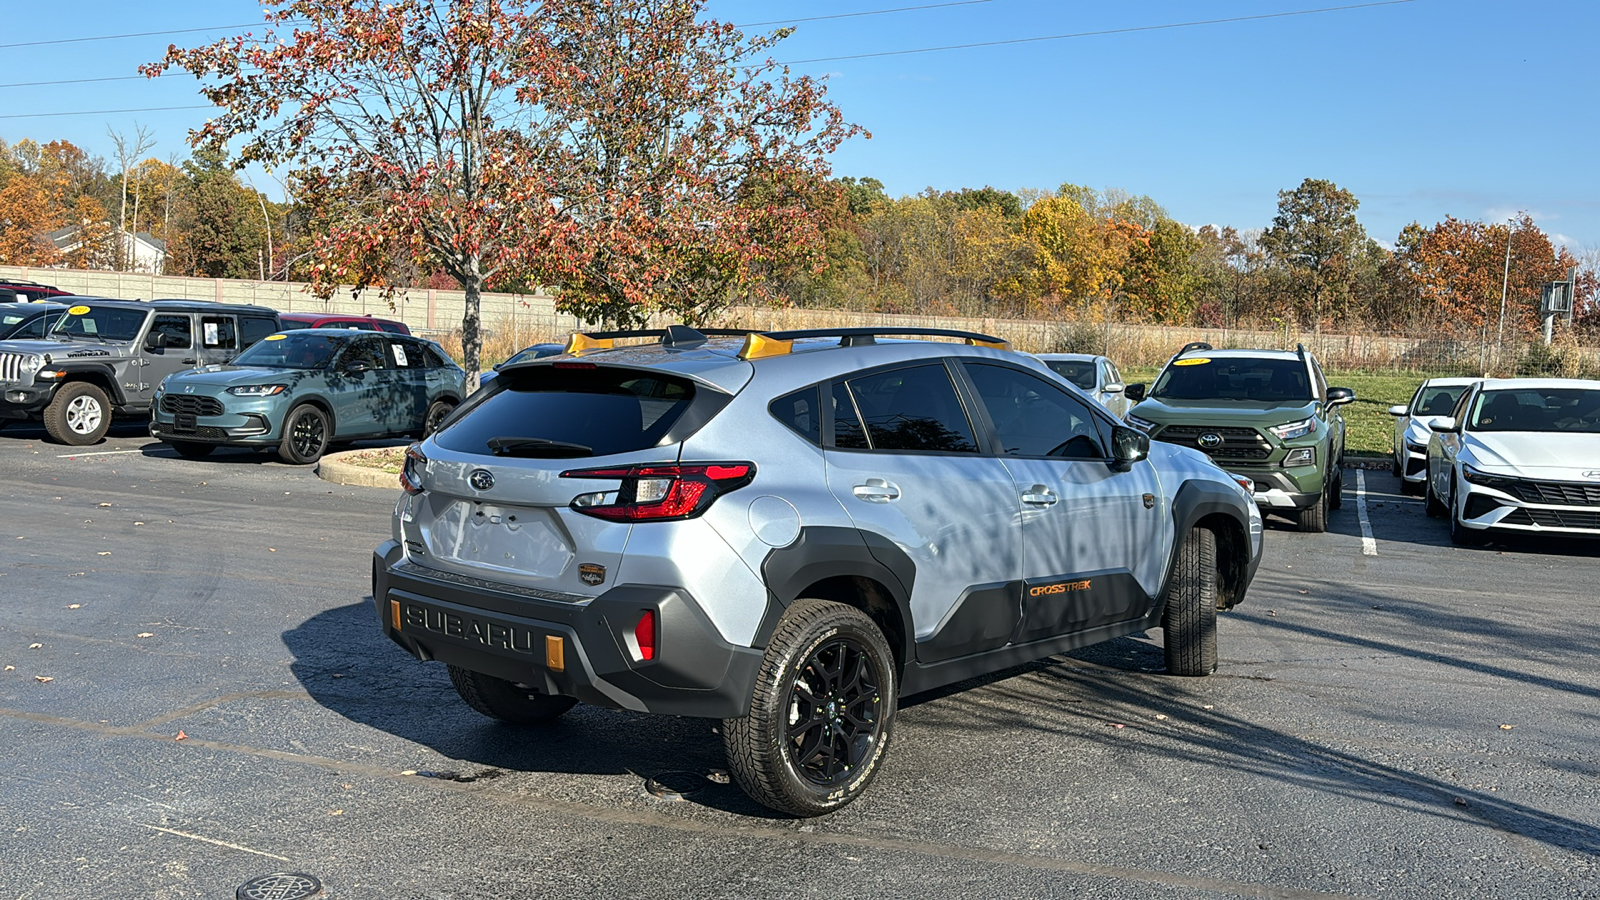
x=644 y=634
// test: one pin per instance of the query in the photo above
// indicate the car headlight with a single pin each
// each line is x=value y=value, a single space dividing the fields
x=1244 y=481
x=1305 y=456
x=1293 y=430
x=32 y=363
x=257 y=390
x=1498 y=482
x=1144 y=425
x=1415 y=447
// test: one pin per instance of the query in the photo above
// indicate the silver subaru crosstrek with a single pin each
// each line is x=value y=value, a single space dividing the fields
x=790 y=531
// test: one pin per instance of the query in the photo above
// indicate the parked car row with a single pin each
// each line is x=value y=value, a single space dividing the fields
x=212 y=374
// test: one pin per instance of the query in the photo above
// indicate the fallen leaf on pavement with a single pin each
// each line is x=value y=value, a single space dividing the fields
x=35 y=646
x=105 y=505
x=144 y=634
x=181 y=736
x=103 y=553
x=1507 y=727
x=74 y=606
x=43 y=679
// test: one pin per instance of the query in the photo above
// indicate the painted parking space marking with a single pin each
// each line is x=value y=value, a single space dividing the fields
x=98 y=453
x=1369 y=547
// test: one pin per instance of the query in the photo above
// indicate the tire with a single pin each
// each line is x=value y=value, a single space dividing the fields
x=837 y=652
x=80 y=414
x=1336 y=498
x=1314 y=518
x=503 y=700
x=437 y=411
x=192 y=449
x=1395 y=468
x=1189 y=621
x=1431 y=505
x=305 y=435
x=1460 y=535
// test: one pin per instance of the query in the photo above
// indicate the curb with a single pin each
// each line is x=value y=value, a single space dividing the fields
x=332 y=467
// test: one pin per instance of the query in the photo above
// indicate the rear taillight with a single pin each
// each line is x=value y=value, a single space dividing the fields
x=644 y=635
x=411 y=471
x=658 y=493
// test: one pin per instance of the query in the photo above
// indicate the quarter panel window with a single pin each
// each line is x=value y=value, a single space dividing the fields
x=800 y=412
x=1033 y=417
x=253 y=329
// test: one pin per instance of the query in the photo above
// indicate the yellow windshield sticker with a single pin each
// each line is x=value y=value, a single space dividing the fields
x=1191 y=362
x=78 y=311
x=276 y=337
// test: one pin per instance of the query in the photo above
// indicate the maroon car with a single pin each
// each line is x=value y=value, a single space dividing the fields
x=327 y=320
x=17 y=290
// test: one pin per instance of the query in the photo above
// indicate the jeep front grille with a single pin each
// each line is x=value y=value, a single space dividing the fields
x=185 y=404
x=1555 y=493
x=11 y=367
x=1236 y=444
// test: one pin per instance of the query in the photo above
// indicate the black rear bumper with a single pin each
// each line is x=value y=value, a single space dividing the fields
x=504 y=633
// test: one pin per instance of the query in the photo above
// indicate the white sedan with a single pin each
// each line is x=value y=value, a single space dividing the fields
x=1096 y=376
x=1413 y=425
x=1524 y=456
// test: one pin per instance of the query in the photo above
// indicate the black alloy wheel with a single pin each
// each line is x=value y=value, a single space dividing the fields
x=438 y=411
x=821 y=711
x=835 y=703
x=305 y=435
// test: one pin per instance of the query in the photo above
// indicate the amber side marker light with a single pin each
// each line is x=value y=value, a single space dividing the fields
x=555 y=653
x=394 y=613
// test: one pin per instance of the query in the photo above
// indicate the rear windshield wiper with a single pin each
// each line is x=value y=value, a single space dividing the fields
x=526 y=446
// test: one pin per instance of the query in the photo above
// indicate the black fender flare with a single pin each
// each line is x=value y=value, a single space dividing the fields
x=1194 y=501
x=99 y=374
x=823 y=552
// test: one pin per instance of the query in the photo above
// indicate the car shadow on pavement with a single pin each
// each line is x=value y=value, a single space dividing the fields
x=1159 y=718
x=346 y=664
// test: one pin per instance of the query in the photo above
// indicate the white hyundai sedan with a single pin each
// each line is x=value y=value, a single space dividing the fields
x=1524 y=455
x=1413 y=425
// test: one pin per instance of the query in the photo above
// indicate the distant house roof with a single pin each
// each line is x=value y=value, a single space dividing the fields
x=64 y=238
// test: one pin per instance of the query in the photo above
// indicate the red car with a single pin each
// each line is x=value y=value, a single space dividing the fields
x=323 y=320
x=17 y=290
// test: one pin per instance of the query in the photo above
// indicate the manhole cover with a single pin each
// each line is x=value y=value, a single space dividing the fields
x=676 y=785
x=279 y=886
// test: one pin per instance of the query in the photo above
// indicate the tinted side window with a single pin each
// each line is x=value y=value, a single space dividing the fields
x=405 y=355
x=366 y=350
x=800 y=412
x=436 y=360
x=180 y=335
x=847 y=430
x=253 y=329
x=1033 y=417
x=914 y=408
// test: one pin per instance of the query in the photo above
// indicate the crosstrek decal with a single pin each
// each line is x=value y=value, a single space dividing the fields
x=1059 y=587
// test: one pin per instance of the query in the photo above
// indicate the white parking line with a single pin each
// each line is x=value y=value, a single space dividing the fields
x=100 y=453
x=1369 y=547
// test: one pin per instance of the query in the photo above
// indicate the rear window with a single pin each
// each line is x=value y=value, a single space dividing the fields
x=1079 y=372
x=560 y=413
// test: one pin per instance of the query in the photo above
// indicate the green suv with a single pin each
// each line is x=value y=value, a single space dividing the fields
x=1268 y=415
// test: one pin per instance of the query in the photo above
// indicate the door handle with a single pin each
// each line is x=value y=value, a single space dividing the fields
x=877 y=490
x=1040 y=495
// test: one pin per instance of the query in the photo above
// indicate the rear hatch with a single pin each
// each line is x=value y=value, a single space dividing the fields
x=498 y=484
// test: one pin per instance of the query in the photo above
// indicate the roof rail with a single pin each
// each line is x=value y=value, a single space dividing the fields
x=671 y=336
x=1300 y=350
x=849 y=337
x=1194 y=345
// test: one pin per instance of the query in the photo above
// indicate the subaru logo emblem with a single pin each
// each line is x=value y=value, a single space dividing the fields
x=481 y=479
x=1209 y=441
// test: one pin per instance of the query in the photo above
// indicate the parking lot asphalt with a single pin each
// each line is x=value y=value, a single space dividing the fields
x=210 y=700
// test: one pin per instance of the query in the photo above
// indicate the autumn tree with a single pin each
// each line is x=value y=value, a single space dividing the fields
x=217 y=232
x=607 y=147
x=25 y=218
x=1316 y=237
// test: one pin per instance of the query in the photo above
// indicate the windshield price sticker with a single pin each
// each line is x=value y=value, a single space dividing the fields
x=1191 y=362
x=78 y=311
x=276 y=337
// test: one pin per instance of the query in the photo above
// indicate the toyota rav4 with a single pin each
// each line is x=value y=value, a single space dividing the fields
x=790 y=531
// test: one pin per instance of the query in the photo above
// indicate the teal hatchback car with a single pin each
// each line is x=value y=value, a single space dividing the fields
x=301 y=391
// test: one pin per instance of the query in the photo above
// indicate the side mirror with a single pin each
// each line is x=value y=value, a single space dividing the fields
x=1340 y=396
x=1128 y=445
x=1397 y=410
x=1447 y=425
x=1134 y=392
x=1113 y=388
x=155 y=341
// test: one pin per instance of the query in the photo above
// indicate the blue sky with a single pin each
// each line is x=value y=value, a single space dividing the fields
x=1471 y=108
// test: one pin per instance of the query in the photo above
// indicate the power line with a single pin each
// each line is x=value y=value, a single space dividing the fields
x=99 y=112
x=114 y=37
x=870 y=12
x=1108 y=31
x=22 y=84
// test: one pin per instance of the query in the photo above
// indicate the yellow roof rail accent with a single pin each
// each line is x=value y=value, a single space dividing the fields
x=758 y=346
x=581 y=343
x=994 y=345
